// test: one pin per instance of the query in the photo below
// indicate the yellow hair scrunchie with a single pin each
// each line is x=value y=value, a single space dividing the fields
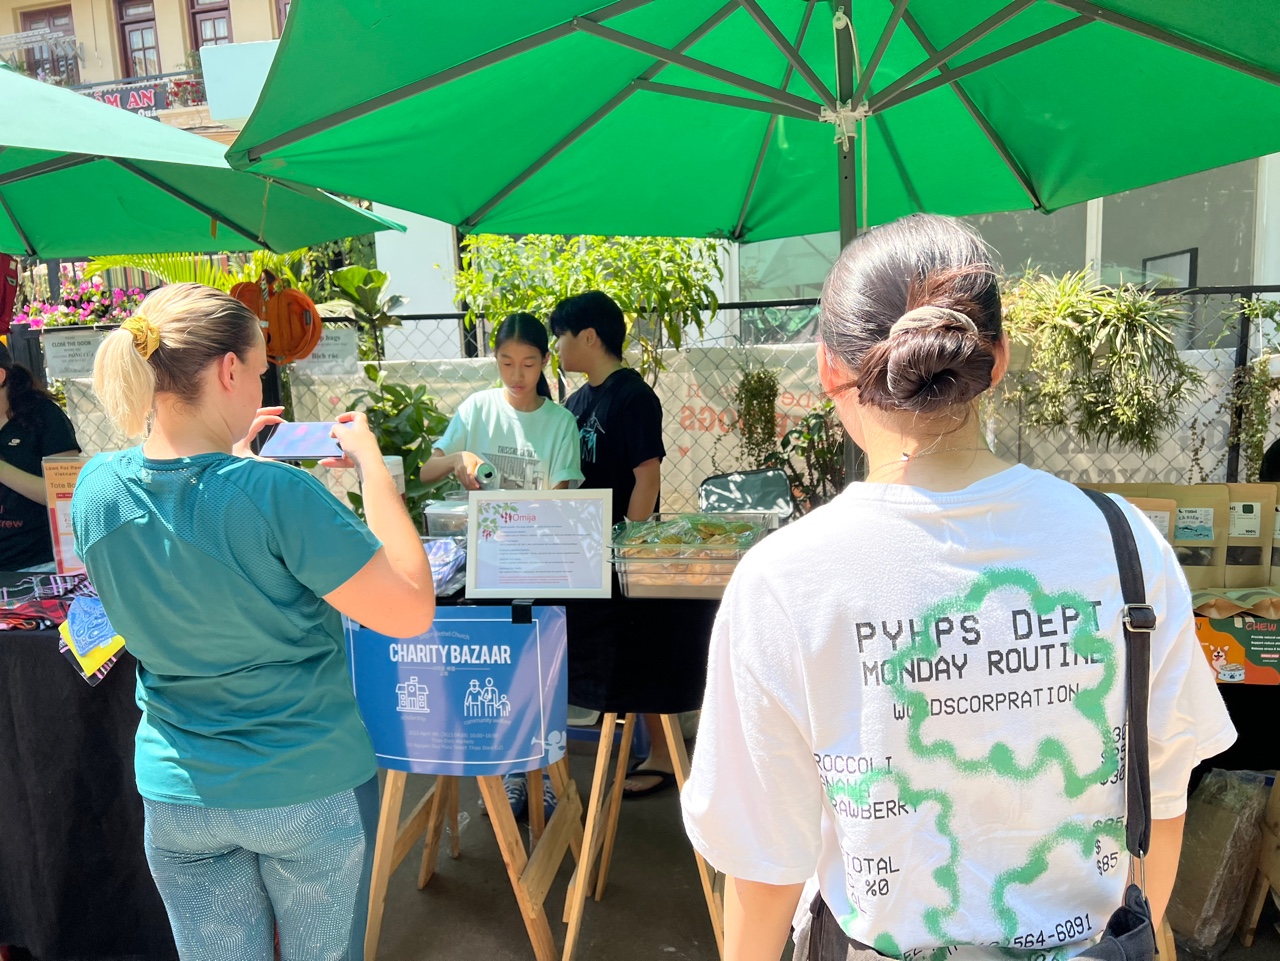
x=146 y=335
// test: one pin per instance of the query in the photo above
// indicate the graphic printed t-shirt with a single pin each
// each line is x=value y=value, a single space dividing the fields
x=25 y=540
x=621 y=426
x=213 y=569
x=530 y=450
x=917 y=697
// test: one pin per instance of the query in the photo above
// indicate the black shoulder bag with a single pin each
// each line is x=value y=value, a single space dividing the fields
x=1130 y=935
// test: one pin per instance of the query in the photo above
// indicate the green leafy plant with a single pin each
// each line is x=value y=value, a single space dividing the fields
x=1103 y=362
x=757 y=424
x=812 y=455
x=1252 y=391
x=664 y=285
x=406 y=421
x=365 y=291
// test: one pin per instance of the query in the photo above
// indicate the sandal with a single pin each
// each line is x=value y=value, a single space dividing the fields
x=666 y=781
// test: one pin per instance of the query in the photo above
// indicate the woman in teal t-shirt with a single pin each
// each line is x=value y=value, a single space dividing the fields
x=226 y=575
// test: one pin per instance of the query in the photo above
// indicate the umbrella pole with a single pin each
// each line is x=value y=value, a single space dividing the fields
x=846 y=168
x=855 y=461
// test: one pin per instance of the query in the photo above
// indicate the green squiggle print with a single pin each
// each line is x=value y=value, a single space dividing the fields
x=1000 y=760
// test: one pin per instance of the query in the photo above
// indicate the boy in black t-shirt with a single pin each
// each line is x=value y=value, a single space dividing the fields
x=620 y=419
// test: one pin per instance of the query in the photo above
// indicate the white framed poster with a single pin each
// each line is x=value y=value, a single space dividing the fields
x=538 y=544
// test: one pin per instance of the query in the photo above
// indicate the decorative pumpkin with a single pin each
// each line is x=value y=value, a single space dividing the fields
x=252 y=296
x=293 y=326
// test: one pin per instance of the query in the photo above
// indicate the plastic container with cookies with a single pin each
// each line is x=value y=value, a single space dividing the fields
x=684 y=555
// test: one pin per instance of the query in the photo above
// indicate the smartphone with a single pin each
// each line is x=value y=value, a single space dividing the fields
x=303 y=441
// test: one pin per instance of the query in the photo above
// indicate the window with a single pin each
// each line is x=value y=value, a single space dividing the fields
x=210 y=22
x=52 y=60
x=282 y=14
x=141 y=52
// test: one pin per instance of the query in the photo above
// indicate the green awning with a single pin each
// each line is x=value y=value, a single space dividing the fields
x=706 y=117
x=80 y=178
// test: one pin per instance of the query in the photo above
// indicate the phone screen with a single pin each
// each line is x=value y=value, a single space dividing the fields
x=304 y=441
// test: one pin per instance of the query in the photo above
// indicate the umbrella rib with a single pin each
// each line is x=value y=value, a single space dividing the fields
x=864 y=82
x=768 y=133
x=948 y=75
x=612 y=104
x=65 y=162
x=697 y=66
x=988 y=131
x=456 y=72
x=189 y=201
x=1159 y=35
x=789 y=51
x=22 y=234
x=891 y=145
x=960 y=44
x=727 y=100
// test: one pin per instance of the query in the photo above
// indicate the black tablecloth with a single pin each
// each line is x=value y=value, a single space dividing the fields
x=74 y=883
x=633 y=655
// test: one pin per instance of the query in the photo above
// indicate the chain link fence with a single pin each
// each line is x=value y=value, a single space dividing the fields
x=698 y=384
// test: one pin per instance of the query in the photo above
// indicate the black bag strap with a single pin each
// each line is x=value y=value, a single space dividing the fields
x=1139 y=622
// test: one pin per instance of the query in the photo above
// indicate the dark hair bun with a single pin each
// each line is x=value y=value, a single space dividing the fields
x=934 y=358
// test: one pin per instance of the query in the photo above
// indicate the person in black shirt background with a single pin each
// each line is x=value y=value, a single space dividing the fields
x=620 y=420
x=32 y=427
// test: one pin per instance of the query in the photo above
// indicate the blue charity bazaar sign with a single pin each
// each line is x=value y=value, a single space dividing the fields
x=475 y=695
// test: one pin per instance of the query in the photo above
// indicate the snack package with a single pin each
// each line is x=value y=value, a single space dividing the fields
x=1160 y=511
x=1200 y=529
x=1219 y=858
x=1251 y=523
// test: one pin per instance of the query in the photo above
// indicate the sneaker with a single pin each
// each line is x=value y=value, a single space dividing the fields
x=548 y=798
x=517 y=787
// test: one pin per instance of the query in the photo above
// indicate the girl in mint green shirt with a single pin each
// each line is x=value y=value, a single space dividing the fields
x=530 y=441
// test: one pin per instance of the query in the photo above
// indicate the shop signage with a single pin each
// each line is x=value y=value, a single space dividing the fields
x=478 y=694
x=144 y=99
x=69 y=352
x=336 y=355
x=538 y=544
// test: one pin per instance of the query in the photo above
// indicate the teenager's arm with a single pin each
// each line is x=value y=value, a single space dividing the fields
x=757 y=918
x=644 y=497
x=440 y=465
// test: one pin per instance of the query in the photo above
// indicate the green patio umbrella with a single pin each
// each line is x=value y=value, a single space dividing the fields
x=706 y=117
x=78 y=178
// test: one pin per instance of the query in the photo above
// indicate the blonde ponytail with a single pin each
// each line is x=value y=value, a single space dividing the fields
x=165 y=348
x=125 y=383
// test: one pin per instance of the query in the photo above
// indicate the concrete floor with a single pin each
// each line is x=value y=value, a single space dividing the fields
x=653 y=907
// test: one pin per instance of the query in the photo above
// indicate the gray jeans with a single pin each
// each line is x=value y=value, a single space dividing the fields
x=822 y=939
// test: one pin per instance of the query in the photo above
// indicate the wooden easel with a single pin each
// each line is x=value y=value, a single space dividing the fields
x=531 y=873
x=606 y=805
x=1268 y=876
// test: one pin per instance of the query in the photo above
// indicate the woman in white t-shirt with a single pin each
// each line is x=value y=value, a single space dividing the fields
x=914 y=700
x=528 y=439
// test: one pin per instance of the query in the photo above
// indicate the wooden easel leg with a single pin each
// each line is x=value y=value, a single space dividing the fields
x=383 y=857
x=537 y=810
x=514 y=856
x=567 y=793
x=1165 y=948
x=614 y=808
x=435 y=827
x=1253 y=906
x=580 y=884
x=680 y=759
x=455 y=839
